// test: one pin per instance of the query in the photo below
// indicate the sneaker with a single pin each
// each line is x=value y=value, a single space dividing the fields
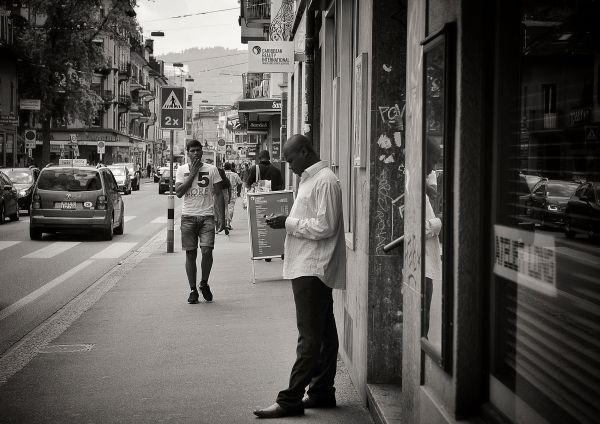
x=193 y=296
x=206 y=293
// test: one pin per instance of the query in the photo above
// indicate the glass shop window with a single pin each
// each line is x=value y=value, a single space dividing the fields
x=545 y=294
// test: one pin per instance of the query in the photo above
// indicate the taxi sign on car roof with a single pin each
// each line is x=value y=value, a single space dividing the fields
x=73 y=162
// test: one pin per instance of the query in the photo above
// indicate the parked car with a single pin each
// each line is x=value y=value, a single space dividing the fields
x=163 y=183
x=9 y=199
x=547 y=202
x=525 y=186
x=122 y=176
x=76 y=198
x=135 y=176
x=158 y=172
x=582 y=215
x=24 y=180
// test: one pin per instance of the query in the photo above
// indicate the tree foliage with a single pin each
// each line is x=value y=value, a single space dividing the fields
x=61 y=55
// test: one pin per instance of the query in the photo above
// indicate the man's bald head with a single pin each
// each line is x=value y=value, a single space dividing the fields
x=298 y=142
x=299 y=153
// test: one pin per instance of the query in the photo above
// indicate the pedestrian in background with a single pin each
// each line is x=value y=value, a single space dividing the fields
x=200 y=185
x=267 y=172
x=235 y=182
x=315 y=261
x=226 y=196
x=148 y=170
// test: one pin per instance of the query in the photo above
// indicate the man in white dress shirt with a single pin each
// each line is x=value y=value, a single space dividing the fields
x=315 y=261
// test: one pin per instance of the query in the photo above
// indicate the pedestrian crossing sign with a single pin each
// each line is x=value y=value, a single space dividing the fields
x=172 y=100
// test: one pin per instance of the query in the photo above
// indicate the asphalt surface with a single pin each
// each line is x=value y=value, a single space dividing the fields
x=132 y=350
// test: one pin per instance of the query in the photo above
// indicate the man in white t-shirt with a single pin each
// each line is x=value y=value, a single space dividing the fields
x=200 y=185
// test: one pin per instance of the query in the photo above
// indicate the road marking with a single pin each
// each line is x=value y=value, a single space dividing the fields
x=42 y=290
x=160 y=220
x=5 y=244
x=115 y=250
x=129 y=217
x=52 y=250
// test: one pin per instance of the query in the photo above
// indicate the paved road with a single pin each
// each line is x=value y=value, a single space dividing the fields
x=39 y=277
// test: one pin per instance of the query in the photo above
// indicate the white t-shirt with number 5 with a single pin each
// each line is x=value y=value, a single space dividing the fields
x=199 y=199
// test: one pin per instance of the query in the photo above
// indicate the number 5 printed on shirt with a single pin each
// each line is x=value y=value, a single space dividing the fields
x=203 y=179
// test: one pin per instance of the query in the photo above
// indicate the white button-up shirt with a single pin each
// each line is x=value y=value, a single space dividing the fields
x=315 y=244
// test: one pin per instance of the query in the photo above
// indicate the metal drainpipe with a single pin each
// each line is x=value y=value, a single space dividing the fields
x=309 y=74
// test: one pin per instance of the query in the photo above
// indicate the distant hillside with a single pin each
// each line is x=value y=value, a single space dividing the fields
x=216 y=72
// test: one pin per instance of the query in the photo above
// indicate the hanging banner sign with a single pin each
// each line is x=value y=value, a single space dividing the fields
x=270 y=56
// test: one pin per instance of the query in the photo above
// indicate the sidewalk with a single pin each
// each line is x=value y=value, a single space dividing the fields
x=142 y=354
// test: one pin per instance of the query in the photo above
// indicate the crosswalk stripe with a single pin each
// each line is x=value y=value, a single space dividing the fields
x=115 y=250
x=5 y=244
x=129 y=217
x=52 y=250
x=42 y=290
x=160 y=220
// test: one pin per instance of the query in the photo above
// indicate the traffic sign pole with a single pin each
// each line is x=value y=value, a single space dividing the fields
x=171 y=202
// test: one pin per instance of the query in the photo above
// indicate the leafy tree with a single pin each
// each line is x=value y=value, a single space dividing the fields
x=61 y=57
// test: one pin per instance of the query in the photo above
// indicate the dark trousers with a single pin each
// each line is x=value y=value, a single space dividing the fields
x=316 y=352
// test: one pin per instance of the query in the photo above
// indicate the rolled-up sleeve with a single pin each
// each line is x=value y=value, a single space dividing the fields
x=324 y=223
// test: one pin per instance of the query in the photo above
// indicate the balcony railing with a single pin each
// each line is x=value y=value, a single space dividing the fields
x=256 y=85
x=258 y=10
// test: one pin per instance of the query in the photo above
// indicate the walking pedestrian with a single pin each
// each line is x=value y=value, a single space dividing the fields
x=235 y=182
x=315 y=261
x=200 y=186
x=148 y=170
x=267 y=172
x=226 y=188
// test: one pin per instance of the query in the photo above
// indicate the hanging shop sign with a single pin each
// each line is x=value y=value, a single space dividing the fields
x=260 y=105
x=258 y=127
x=270 y=56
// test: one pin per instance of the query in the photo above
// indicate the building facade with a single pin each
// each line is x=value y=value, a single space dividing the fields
x=465 y=138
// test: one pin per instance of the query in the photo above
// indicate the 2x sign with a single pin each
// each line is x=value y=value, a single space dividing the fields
x=172 y=100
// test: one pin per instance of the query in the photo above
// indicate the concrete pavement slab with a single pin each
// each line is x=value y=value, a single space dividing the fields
x=148 y=356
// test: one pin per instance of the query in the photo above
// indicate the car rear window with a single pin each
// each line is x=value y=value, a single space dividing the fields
x=19 y=177
x=117 y=171
x=562 y=189
x=70 y=179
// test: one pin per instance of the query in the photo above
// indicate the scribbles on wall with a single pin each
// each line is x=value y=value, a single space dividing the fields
x=392 y=115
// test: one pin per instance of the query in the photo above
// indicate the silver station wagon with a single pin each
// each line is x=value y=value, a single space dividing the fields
x=70 y=198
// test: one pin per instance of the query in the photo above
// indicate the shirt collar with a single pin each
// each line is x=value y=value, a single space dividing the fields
x=313 y=169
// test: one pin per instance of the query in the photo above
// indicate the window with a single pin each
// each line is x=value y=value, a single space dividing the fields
x=545 y=282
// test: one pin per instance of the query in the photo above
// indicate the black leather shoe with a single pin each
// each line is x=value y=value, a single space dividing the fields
x=276 y=411
x=309 y=403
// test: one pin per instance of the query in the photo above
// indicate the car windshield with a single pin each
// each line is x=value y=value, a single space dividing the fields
x=531 y=180
x=18 y=176
x=561 y=189
x=117 y=171
x=69 y=179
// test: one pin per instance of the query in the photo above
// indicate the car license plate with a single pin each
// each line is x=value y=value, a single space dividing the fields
x=68 y=205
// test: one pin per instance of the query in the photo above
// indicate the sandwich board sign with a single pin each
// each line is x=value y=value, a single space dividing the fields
x=172 y=112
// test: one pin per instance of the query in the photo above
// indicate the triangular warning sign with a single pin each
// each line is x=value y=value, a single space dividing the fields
x=172 y=102
x=590 y=134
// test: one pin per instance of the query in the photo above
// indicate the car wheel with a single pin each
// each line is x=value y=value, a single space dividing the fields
x=35 y=234
x=15 y=217
x=121 y=227
x=568 y=230
x=2 y=217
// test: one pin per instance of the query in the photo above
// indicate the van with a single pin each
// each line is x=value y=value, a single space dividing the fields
x=76 y=199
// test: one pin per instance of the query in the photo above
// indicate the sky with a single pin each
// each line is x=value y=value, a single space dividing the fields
x=205 y=30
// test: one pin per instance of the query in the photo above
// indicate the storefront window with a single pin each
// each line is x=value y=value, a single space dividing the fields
x=545 y=295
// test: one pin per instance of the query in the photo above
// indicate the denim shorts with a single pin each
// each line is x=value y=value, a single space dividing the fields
x=197 y=227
